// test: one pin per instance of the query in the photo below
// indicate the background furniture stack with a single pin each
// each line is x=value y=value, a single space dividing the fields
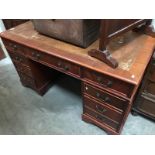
x=9 y=23
x=145 y=100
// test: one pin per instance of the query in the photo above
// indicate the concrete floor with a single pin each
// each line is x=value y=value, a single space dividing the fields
x=58 y=112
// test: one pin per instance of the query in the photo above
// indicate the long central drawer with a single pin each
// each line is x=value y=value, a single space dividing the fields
x=56 y=63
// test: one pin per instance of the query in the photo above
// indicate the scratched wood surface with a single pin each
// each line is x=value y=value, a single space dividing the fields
x=133 y=54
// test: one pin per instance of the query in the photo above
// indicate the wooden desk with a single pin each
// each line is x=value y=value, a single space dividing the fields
x=107 y=93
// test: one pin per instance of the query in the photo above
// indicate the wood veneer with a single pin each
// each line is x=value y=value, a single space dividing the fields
x=42 y=53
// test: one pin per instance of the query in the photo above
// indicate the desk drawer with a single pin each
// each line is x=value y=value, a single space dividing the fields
x=23 y=69
x=109 y=83
x=146 y=104
x=105 y=97
x=57 y=63
x=103 y=109
x=27 y=81
x=101 y=119
x=18 y=58
x=149 y=87
x=151 y=74
x=14 y=47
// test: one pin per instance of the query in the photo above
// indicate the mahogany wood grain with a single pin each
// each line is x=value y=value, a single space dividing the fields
x=130 y=68
x=37 y=59
x=112 y=28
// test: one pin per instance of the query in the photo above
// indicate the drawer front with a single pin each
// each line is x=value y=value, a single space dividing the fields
x=147 y=105
x=27 y=81
x=23 y=69
x=103 y=109
x=106 y=98
x=109 y=83
x=18 y=58
x=62 y=65
x=151 y=74
x=14 y=47
x=149 y=87
x=101 y=119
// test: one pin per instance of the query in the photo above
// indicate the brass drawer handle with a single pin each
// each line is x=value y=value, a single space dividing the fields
x=18 y=59
x=66 y=68
x=105 y=99
x=102 y=110
x=33 y=54
x=108 y=84
x=59 y=64
x=38 y=56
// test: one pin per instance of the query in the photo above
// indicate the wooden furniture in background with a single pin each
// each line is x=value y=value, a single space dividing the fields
x=9 y=23
x=112 y=28
x=145 y=100
x=107 y=93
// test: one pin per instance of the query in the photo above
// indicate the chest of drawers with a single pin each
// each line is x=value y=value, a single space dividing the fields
x=145 y=100
x=107 y=93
